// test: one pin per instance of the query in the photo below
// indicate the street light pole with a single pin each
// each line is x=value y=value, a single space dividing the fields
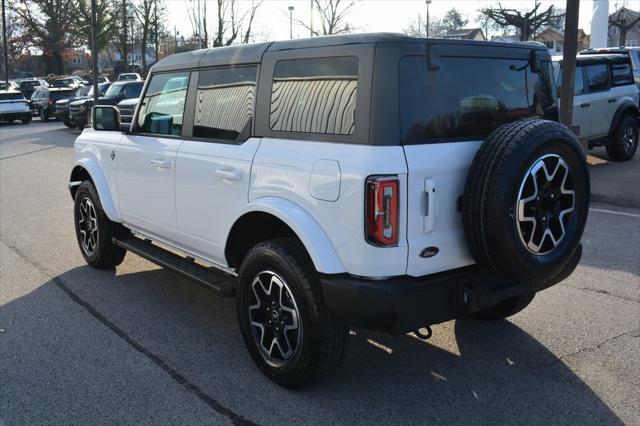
x=133 y=46
x=428 y=3
x=291 y=8
x=94 y=53
x=4 y=42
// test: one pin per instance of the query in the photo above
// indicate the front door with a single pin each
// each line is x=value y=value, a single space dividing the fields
x=213 y=167
x=146 y=158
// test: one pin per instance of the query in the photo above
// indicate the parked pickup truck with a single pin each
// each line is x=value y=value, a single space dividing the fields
x=374 y=180
x=80 y=111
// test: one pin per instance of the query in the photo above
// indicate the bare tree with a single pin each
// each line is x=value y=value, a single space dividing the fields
x=147 y=13
x=527 y=23
x=333 y=17
x=624 y=21
x=48 y=23
x=418 y=28
x=232 y=24
x=107 y=23
x=453 y=20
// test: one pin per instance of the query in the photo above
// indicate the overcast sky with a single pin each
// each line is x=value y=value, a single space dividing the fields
x=272 y=20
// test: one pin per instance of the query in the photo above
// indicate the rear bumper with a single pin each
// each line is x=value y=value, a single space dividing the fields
x=402 y=304
x=15 y=115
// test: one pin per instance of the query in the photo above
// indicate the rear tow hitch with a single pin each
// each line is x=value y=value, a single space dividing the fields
x=420 y=335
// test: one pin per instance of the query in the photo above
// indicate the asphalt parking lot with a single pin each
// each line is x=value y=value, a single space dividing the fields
x=141 y=345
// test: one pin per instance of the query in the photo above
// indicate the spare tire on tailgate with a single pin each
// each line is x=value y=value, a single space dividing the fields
x=526 y=201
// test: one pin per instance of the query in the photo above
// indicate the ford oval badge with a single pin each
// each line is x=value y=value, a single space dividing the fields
x=429 y=252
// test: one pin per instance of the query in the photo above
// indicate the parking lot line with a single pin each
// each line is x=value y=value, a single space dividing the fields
x=614 y=212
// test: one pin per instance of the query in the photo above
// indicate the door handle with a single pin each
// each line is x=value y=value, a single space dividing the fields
x=161 y=164
x=431 y=205
x=585 y=105
x=229 y=174
x=612 y=100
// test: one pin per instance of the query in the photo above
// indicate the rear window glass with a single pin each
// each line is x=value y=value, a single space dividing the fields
x=597 y=77
x=17 y=96
x=61 y=94
x=315 y=95
x=224 y=102
x=621 y=74
x=467 y=98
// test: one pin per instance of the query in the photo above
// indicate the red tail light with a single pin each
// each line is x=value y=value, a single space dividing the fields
x=51 y=101
x=383 y=196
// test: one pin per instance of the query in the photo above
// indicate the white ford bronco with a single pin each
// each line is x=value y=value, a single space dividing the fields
x=375 y=181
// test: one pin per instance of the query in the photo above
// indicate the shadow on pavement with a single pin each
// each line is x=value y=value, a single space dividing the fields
x=473 y=372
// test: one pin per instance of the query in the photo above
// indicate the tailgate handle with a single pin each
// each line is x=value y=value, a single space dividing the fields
x=431 y=205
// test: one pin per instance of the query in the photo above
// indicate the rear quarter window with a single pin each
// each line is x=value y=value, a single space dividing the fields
x=597 y=77
x=621 y=74
x=315 y=95
x=467 y=98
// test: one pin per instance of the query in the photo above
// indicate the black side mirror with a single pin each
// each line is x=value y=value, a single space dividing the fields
x=105 y=117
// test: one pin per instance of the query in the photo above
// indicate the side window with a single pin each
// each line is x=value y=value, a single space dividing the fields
x=314 y=95
x=578 y=86
x=598 y=77
x=621 y=74
x=225 y=100
x=447 y=105
x=162 y=108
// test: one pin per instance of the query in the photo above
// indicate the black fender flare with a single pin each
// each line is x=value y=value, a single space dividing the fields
x=625 y=108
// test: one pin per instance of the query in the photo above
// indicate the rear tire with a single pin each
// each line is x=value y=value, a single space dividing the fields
x=625 y=140
x=504 y=309
x=44 y=115
x=291 y=352
x=95 y=231
x=26 y=120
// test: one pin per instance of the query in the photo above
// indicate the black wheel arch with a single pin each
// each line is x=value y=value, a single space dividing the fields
x=626 y=108
x=78 y=174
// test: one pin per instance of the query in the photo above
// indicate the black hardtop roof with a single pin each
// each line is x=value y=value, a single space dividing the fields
x=252 y=53
x=606 y=58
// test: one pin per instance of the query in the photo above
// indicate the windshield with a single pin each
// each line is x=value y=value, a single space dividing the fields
x=114 y=91
x=30 y=83
x=84 y=91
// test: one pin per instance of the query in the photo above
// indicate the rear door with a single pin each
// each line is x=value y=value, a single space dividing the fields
x=146 y=159
x=598 y=118
x=444 y=117
x=213 y=166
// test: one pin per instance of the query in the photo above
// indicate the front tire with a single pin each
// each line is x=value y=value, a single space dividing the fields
x=290 y=334
x=95 y=231
x=44 y=115
x=625 y=140
x=26 y=120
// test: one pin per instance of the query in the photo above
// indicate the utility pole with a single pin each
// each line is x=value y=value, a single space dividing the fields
x=155 y=21
x=124 y=29
x=428 y=3
x=94 y=53
x=133 y=46
x=569 y=63
x=291 y=8
x=4 y=42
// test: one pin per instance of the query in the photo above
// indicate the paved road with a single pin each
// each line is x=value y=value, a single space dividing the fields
x=141 y=345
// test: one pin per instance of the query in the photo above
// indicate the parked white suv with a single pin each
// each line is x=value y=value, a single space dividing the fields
x=605 y=103
x=377 y=181
x=13 y=106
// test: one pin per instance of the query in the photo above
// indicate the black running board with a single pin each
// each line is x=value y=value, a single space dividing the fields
x=221 y=283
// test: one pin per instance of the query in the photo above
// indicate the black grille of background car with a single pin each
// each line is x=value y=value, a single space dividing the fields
x=126 y=113
x=74 y=109
x=62 y=107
